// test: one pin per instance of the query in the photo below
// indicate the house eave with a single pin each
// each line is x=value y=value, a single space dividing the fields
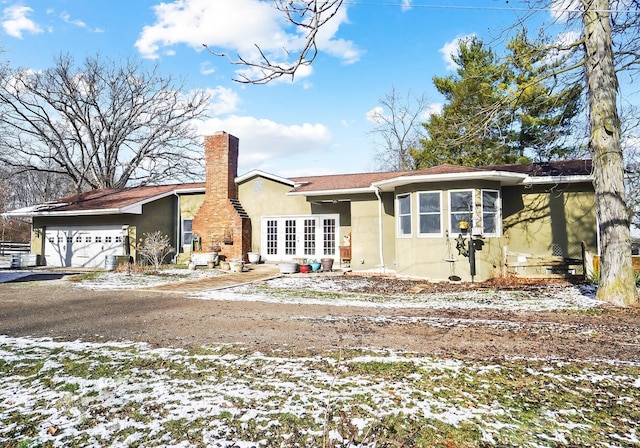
x=259 y=173
x=545 y=180
x=503 y=177
x=27 y=213
x=346 y=191
x=188 y=190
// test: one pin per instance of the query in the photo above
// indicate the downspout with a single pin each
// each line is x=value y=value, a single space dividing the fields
x=178 y=228
x=380 y=239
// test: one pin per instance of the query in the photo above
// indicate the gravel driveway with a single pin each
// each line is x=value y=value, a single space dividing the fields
x=166 y=317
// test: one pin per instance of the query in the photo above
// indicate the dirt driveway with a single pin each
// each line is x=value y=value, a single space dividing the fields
x=164 y=318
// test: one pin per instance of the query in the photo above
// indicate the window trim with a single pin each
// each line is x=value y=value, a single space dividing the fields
x=399 y=233
x=498 y=212
x=419 y=214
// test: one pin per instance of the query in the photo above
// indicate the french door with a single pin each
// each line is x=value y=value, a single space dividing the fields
x=289 y=237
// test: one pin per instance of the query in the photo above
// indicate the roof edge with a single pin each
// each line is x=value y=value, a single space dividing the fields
x=266 y=175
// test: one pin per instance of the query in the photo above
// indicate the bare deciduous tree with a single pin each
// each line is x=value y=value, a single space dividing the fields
x=99 y=125
x=397 y=123
x=309 y=17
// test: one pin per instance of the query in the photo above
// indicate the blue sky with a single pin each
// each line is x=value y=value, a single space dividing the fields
x=314 y=125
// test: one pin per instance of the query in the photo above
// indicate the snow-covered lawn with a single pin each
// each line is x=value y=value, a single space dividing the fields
x=112 y=280
x=331 y=290
x=64 y=394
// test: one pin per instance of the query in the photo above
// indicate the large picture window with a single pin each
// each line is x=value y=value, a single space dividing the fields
x=430 y=213
x=490 y=212
x=461 y=209
x=403 y=207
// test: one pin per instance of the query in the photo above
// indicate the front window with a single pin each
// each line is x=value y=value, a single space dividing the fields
x=187 y=231
x=404 y=214
x=429 y=210
x=490 y=212
x=461 y=210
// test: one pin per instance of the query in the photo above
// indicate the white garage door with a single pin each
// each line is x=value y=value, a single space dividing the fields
x=82 y=246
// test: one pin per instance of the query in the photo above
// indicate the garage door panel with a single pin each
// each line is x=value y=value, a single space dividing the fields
x=82 y=247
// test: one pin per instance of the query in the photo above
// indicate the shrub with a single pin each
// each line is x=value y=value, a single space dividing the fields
x=155 y=248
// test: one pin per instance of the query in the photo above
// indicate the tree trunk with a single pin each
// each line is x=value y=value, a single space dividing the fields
x=617 y=281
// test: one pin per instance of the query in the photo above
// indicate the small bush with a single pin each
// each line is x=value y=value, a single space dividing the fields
x=155 y=249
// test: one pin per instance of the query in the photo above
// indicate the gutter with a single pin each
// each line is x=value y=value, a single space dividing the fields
x=380 y=239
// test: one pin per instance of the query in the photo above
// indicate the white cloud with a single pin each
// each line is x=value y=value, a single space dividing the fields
x=433 y=108
x=15 y=21
x=206 y=68
x=223 y=101
x=560 y=9
x=265 y=144
x=406 y=4
x=235 y=28
x=375 y=115
x=66 y=17
x=450 y=49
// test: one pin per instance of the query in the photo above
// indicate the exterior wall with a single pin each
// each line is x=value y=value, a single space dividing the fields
x=265 y=197
x=546 y=220
x=157 y=215
x=438 y=258
x=261 y=197
x=365 y=237
x=189 y=206
x=542 y=221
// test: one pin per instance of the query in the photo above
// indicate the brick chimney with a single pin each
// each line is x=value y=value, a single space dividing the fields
x=221 y=220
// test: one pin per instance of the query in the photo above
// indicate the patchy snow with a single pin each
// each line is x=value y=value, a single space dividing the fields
x=330 y=291
x=118 y=394
x=118 y=280
x=339 y=291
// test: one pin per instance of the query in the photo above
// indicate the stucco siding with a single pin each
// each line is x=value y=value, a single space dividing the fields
x=365 y=233
x=437 y=257
x=550 y=221
x=190 y=204
x=263 y=197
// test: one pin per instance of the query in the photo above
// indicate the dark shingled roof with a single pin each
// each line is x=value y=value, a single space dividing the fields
x=115 y=199
x=364 y=180
x=111 y=198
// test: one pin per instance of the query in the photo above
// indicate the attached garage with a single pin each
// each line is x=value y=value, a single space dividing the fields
x=79 y=246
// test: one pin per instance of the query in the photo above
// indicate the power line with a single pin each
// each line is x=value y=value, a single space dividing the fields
x=481 y=8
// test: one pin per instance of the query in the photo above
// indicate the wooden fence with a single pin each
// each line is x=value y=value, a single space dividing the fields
x=543 y=266
x=12 y=247
x=635 y=260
